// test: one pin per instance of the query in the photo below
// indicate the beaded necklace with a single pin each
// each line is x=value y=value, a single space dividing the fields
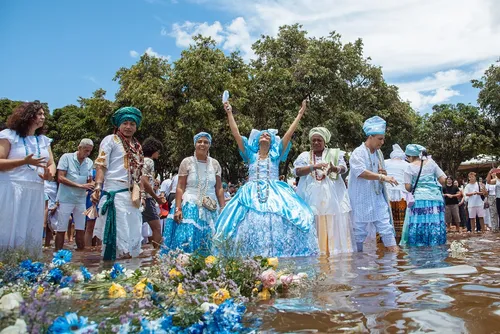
x=312 y=158
x=27 y=152
x=198 y=183
x=263 y=199
x=376 y=186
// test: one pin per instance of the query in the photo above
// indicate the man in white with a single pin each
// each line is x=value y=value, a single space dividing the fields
x=74 y=173
x=118 y=175
x=367 y=191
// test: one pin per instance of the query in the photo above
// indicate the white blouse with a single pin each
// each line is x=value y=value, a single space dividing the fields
x=20 y=148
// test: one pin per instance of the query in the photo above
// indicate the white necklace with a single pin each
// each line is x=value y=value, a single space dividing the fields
x=198 y=183
x=263 y=199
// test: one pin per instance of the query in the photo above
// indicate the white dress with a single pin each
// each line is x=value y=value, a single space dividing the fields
x=128 y=217
x=396 y=168
x=22 y=195
x=329 y=201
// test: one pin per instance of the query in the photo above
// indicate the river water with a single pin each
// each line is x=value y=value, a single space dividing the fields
x=381 y=292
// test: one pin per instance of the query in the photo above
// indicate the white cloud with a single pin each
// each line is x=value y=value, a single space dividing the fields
x=150 y=52
x=234 y=36
x=437 y=88
x=91 y=79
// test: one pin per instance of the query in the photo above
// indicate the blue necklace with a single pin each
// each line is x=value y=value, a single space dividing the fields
x=37 y=148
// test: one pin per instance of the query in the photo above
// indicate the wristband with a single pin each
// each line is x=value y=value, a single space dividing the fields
x=311 y=168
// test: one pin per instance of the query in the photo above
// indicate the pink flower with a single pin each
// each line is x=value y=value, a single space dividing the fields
x=286 y=279
x=269 y=278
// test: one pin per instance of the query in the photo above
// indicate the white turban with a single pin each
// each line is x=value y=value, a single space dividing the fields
x=323 y=132
x=397 y=152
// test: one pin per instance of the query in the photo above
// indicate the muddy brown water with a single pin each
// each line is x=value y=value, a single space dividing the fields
x=379 y=292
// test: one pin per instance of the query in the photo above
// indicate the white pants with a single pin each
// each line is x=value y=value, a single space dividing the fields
x=383 y=227
x=64 y=214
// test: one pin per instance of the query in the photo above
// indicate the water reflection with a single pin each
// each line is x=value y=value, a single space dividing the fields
x=383 y=292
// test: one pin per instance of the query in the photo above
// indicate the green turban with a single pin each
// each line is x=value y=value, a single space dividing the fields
x=323 y=132
x=126 y=114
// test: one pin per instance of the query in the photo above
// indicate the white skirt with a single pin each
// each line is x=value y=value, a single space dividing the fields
x=22 y=207
x=128 y=223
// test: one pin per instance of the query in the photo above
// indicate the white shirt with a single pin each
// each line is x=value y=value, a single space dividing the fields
x=491 y=189
x=112 y=157
x=396 y=169
x=367 y=198
x=173 y=185
x=474 y=200
x=165 y=186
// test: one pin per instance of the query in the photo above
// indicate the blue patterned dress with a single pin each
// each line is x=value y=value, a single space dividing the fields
x=425 y=222
x=194 y=233
x=266 y=217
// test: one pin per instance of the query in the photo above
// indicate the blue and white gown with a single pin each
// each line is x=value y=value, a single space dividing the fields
x=425 y=221
x=266 y=217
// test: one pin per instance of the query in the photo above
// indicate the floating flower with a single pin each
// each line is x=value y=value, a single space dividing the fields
x=87 y=276
x=173 y=273
x=71 y=323
x=10 y=301
x=30 y=270
x=18 y=328
x=210 y=260
x=180 y=290
x=116 y=271
x=264 y=294
x=269 y=278
x=62 y=257
x=208 y=307
x=286 y=279
x=116 y=291
x=139 y=289
x=55 y=275
x=40 y=290
x=220 y=296
x=161 y=325
x=272 y=262
x=66 y=281
x=183 y=259
x=227 y=318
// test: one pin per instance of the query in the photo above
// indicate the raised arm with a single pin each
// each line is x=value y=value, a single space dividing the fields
x=288 y=135
x=234 y=127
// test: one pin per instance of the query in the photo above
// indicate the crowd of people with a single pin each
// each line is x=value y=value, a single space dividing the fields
x=117 y=200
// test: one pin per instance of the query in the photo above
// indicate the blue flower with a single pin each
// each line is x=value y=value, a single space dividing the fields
x=55 y=275
x=226 y=319
x=66 y=281
x=71 y=323
x=116 y=271
x=158 y=326
x=87 y=276
x=29 y=270
x=62 y=257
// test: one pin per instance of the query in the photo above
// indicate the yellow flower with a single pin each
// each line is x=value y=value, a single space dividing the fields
x=220 y=296
x=272 y=262
x=1 y=265
x=173 y=273
x=139 y=289
x=40 y=290
x=210 y=260
x=255 y=291
x=117 y=291
x=264 y=295
x=180 y=290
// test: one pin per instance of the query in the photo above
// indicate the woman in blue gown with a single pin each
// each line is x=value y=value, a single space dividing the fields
x=266 y=217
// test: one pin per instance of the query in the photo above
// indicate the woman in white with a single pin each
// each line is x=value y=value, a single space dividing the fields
x=321 y=186
x=25 y=162
x=493 y=186
x=199 y=198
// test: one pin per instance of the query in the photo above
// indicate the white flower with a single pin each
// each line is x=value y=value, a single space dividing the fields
x=208 y=307
x=303 y=275
x=78 y=276
x=10 y=301
x=18 y=328
x=129 y=273
x=183 y=259
x=100 y=276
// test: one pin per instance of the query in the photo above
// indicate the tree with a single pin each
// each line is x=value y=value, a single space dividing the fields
x=489 y=95
x=455 y=133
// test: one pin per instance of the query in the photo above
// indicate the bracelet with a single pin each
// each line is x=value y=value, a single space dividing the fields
x=177 y=209
x=381 y=177
x=311 y=168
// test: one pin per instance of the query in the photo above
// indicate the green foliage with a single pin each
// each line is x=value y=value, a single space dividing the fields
x=455 y=133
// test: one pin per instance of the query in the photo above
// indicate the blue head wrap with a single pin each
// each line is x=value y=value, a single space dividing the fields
x=275 y=147
x=126 y=114
x=374 y=126
x=413 y=150
x=202 y=134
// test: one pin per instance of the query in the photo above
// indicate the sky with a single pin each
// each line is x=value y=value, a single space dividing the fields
x=58 y=50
